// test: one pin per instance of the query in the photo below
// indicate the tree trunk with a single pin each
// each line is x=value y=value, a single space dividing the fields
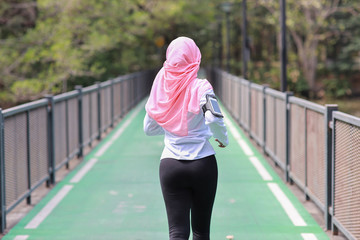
x=311 y=61
x=308 y=59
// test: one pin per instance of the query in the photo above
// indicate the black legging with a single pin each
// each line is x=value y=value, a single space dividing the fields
x=189 y=185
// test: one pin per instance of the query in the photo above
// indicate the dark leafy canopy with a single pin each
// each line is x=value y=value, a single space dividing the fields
x=317 y=31
x=49 y=46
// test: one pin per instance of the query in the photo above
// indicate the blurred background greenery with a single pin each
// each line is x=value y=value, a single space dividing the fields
x=49 y=46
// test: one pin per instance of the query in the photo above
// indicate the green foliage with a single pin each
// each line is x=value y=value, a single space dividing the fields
x=346 y=53
x=50 y=46
x=319 y=31
x=337 y=88
x=297 y=82
x=262 y=73
x=6 y=99
x=82 y=41
x=25 y=90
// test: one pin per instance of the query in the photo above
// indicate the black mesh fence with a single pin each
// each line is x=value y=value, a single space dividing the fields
x=317 y=147
x=38 y=138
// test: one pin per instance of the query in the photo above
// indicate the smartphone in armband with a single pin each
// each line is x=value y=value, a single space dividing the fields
x=213 y=106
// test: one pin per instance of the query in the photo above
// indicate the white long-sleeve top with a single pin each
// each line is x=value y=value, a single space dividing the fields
x=196 y=144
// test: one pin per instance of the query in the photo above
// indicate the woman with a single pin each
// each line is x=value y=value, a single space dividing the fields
x=188 y=168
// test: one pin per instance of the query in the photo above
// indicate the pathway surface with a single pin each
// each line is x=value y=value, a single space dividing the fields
x=115 y=194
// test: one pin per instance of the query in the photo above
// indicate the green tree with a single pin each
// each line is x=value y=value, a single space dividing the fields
x=308 y=25
x=82 y=41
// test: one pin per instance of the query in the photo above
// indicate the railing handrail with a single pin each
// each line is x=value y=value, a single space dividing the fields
x=347 y=118
x=24 y=107
x=307 y=104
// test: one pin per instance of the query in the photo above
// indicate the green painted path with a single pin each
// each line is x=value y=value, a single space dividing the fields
x=119 y=197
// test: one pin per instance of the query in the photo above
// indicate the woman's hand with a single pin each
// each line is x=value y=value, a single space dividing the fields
x=220 y=143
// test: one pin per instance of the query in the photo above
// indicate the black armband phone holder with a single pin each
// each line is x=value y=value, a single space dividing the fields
x=212 y=105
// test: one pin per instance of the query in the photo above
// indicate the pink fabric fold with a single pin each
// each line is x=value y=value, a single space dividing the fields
x=176 y=89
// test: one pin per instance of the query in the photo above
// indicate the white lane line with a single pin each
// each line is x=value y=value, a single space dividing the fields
x=37 y=220
x=80 y=174
x=247 y=150
x=245 y=147
x=280 y=196
x=103 y=149
x=309 y=236
x=261 y=169
x=287 y=205
x=21 y=237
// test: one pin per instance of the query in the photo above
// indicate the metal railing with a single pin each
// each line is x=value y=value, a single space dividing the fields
x=38 y=138
x=317 y=147
x=346 y=173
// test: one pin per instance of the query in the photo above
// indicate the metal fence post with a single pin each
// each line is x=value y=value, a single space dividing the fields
x=80 y=120
x=264 y=119
x=287 y=137
x=67 y=132
x=135 y=89
x=334 y=228
x=249 y=110
x=51 y=140
x=112 y=103
x=238 y=93
x=306 y=154
x=2 y=175
x=129 y=94
x=99 y=109
x=28 y=140
x=330 y=108
x=122 y=99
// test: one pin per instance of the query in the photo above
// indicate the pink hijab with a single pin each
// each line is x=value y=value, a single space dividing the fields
x=176 y=89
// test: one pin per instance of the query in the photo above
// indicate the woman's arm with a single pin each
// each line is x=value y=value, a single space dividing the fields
x=218 y=128
x=215 y=123
x=151 y=128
